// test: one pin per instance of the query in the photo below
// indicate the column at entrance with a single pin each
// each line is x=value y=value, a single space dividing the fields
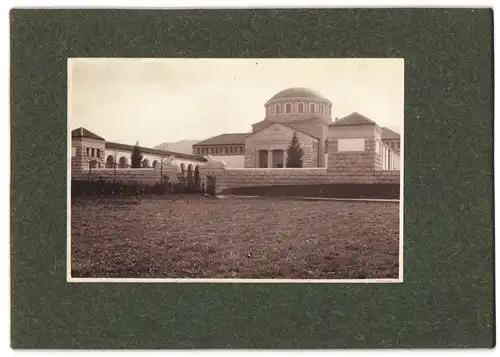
x=270 y=158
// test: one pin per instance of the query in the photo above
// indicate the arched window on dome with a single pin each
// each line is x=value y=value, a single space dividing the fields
x=288 y=108
x=322 y=109
x=301 y=107
x=313 y=108
x=277 y=108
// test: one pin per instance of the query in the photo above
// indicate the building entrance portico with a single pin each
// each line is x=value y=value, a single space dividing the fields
x=271 y=158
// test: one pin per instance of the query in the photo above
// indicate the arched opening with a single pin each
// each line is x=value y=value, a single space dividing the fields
x=155 y=163
x=190 y=176
x=288 y=108
x=278 y=109
x=301 y=107
x=145 y=163
x=313 y=108
x=183 y=168
x=110 y=162
x=123 y=162
x=197 y=179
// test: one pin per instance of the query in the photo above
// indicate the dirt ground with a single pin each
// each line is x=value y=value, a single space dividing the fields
x=199 y=237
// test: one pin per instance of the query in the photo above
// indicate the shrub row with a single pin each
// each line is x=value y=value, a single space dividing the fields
x=116 y=188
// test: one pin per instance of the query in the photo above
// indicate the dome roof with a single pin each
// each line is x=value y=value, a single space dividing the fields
x=298 y=92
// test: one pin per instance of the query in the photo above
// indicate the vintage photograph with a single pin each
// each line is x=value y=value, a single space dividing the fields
x=235 y=170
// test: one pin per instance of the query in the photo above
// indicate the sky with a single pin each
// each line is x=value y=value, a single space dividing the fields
x=166 y=100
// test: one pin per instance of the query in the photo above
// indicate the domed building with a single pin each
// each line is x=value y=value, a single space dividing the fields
x=296 y=110
x=293 y=110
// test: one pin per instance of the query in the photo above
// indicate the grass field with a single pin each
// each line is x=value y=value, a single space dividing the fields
x=199 y=237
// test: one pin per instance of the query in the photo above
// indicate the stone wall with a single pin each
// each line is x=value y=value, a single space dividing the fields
x=232 y=178
x=145 y=176
x=352 y=161
x=250 y=159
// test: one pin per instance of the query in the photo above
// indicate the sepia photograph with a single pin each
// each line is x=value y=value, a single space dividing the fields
x=235 y=170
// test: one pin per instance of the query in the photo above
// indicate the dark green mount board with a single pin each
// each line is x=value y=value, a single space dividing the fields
x=446 y=299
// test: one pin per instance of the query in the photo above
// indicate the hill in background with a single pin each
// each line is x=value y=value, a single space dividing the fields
x=182 y=146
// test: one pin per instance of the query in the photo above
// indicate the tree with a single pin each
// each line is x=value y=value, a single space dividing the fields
x=136 y=157
x=294 y=153
x=116 y=154
x=163 y=158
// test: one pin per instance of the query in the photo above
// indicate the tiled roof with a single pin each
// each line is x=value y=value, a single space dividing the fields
x=84 y=133
x=144 y=150
x=262 y=125
x=389 y=134
x=225 y=139
x=353 y=119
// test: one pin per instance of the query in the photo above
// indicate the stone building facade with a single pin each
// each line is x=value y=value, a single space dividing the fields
x=309 y=115
x=267 y=148
x=352 y=149
x=91 y=151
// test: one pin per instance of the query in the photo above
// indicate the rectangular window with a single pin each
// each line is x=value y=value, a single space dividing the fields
x=87 y=152
x=226 y=149
x=98 y=153
x=241 y=149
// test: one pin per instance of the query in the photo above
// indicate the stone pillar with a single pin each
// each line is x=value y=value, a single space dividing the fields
x=79 y=161
x=352 y=161
x=269 y=158
x=217 y=169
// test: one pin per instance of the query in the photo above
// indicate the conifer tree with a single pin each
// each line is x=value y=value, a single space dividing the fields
x=136 y=157
x=295 y=153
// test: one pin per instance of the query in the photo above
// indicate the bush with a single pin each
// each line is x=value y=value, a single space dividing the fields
x=117 y=188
